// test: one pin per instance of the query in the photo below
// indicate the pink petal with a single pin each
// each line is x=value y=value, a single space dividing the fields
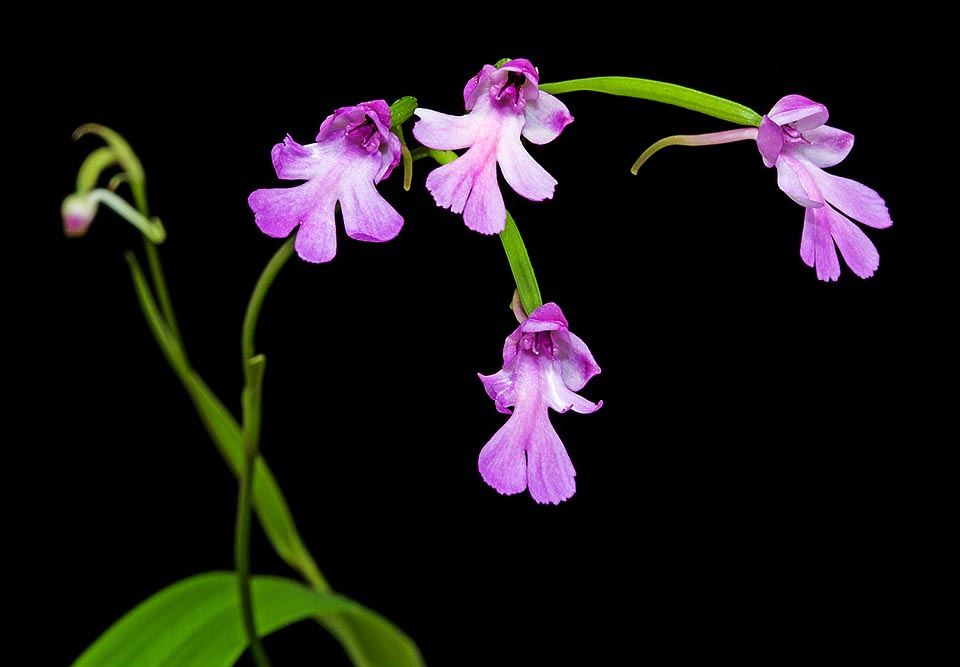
x=317 y=238
x=550 y=473
x=858 y=251
x=520 y=170
x=293 y=161
x=816 y=244
x=445 y=132
x=803 y=113
x=826 y=146
x=795 y=180
x=485 y=211
x=367 y=216
x=502 y=462
x=855 y=199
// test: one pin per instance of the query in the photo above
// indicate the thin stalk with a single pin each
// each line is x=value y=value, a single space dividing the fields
x=251 y=403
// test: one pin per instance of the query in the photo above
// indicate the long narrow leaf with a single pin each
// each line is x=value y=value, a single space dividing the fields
x=269 y=503
x=196 y=623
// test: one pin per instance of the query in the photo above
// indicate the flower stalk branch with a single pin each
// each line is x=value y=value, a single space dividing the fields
x=658 y=91
x=709 y=139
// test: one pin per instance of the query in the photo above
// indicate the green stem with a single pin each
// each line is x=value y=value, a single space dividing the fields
x=267 y=277
x=709 y=139
x=520 y=266
x=658 y=91
x=160 y=287
x=252 y=394
x=251 y=403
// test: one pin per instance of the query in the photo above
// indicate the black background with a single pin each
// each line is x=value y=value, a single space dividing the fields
x=751 y=487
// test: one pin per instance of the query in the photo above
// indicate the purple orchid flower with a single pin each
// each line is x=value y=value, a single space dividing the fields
x=793 y=138
x=543 y=365
x=504 y=104
x=354 y=151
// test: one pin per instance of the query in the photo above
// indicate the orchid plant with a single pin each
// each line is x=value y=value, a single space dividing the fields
x=215 y=618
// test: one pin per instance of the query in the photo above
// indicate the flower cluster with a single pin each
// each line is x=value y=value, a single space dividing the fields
x=506 y=109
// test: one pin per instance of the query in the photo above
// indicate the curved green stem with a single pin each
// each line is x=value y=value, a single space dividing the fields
x=658 y=91
x=251 y=403
x=252 y=314
x=709 y=139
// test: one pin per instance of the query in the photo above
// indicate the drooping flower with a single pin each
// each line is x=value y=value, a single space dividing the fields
x=504 y=104
x=544 y=364
x=794 y=139
x=354 y=151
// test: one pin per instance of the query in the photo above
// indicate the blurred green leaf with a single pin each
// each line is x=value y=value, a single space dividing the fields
x=196 y=623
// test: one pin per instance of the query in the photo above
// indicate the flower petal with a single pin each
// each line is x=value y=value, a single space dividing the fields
x=577 y=364
x=450 y=184
x=294 y=161
x=769 y=141
x=855 y=199
x=502 y=462
x=278 y=210
x=501 y=389
x=796 y=181
x=545 y=117
x=825 y=146
x=445 y=132
x=816 y=244
x=367 y=216
x=550 y=473
x=477 y=87
x=520 y=170
x=800 y=112
x=858 y=251
x=485 y=211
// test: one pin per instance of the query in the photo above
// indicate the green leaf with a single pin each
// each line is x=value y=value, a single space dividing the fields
x=269 y=503
x=196 y=623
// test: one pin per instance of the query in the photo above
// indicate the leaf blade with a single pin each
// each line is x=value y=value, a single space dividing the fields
x=195 y=622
